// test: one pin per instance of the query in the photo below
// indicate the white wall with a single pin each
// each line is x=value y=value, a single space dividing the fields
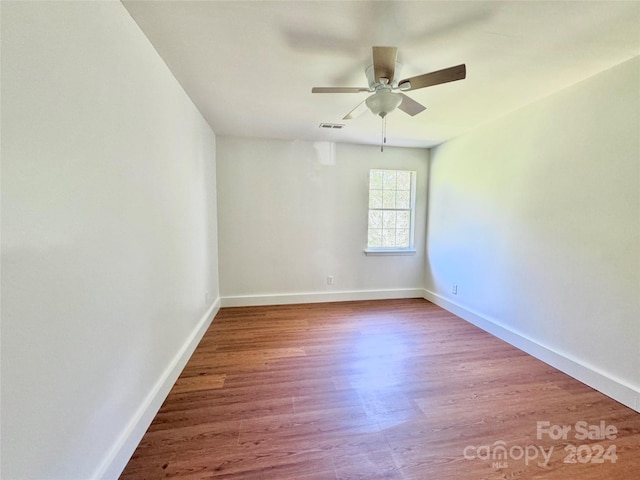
x=536 y=218
x=108 y=237
x=293 y=212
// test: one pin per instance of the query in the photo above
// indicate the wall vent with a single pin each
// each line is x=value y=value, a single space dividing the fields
x=331 y=125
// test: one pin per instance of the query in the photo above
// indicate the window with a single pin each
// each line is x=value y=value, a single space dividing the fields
x=391 y=211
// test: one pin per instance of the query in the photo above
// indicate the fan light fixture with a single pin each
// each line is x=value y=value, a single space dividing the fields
x=383 y=102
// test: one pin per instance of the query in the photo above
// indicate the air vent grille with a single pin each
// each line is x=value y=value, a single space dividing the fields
x=336 y=126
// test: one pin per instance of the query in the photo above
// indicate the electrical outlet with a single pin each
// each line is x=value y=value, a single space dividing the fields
x=330 y=280
x=454 y=289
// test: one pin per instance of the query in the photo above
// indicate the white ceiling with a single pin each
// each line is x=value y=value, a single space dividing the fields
x=249 y=66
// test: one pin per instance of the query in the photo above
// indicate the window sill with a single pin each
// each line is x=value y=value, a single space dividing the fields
x=389 y=252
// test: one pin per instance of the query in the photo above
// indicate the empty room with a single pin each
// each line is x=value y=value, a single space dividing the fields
x=323 y=240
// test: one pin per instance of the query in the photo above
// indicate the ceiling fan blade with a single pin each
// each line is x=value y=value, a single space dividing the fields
x=410 y=106
x=445 y=75
x=356 y=112
x=339 y=89
x=384 y=63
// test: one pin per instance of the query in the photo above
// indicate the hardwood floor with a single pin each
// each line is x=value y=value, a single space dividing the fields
x=397 y=389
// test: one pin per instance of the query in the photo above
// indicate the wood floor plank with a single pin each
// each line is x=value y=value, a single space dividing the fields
x=394 y=389
x=186 y=384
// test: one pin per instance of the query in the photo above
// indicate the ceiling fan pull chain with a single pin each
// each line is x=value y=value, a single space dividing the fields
x=382 y=134
x=384 y=129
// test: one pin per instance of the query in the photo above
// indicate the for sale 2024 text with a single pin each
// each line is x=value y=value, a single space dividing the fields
x=585 y=453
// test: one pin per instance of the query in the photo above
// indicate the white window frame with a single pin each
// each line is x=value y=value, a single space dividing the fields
x=410 y=250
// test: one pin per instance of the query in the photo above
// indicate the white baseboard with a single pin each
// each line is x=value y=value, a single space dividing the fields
x=118 y=456
x=320 y=297
x=601 y=381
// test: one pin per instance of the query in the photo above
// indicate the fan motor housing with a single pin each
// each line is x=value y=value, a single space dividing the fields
x=392 y=81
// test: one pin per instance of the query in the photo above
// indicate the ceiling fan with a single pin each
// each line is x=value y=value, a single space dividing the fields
x=382 y=81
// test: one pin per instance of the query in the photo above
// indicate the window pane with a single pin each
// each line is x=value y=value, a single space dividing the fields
x=375 y=179
x=375 y=237
x=403 y=219
x=402 y=237
x=389 y=179
x=404 y=181
x=388 y=199
x=375 y=219
x=389 y=219
x=403 y=199
x=389 y=237
x=375 y=199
